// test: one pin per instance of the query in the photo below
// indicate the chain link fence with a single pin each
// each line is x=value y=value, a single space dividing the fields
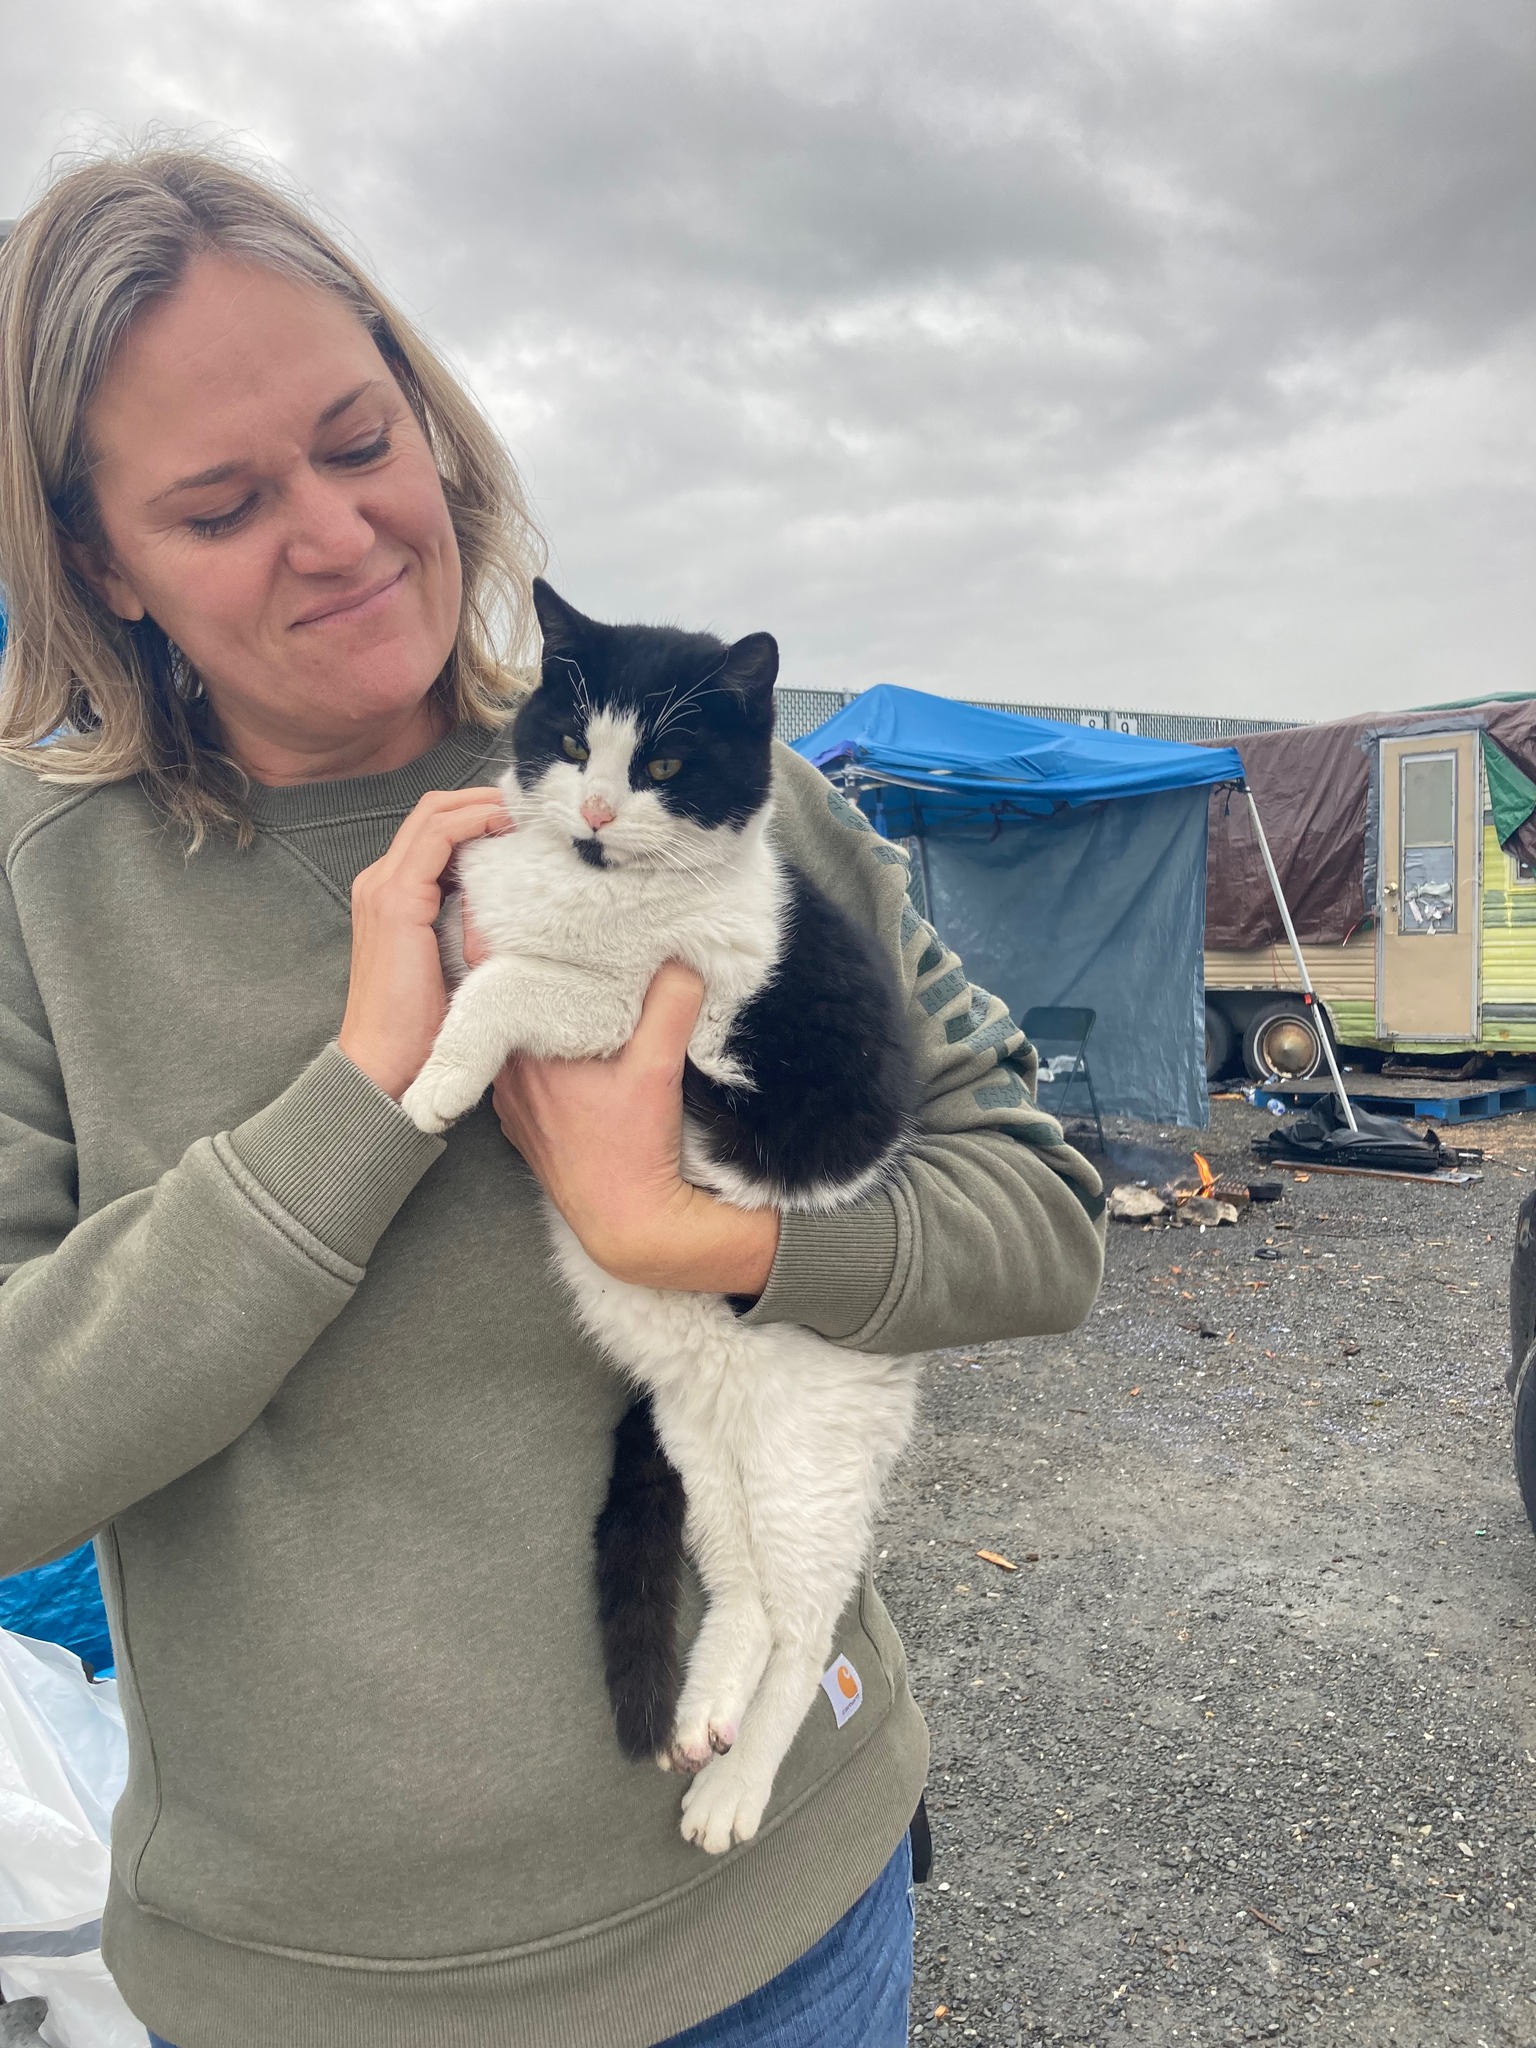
x=801 y=711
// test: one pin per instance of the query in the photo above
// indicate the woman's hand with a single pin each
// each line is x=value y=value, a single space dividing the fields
x=605 y=1139
x=396 y=1000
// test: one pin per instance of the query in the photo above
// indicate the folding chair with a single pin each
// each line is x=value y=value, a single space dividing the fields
x=1062 y=1031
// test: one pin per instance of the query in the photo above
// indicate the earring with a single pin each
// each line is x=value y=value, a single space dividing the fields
x=185 y=680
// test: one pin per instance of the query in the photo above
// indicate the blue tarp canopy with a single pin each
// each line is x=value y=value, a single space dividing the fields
x=960 y=755
x=1066 y=866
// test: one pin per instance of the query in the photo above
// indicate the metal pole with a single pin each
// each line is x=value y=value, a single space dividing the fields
x=1301 y=965
x=922 y=861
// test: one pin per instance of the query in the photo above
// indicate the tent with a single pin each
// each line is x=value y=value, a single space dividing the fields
x=1063 y=863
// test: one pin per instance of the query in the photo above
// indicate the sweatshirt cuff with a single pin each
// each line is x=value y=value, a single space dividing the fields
x=337 y=1153
x=831 y=1272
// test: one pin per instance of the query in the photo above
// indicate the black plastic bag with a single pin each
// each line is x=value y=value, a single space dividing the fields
x=1318 y=1135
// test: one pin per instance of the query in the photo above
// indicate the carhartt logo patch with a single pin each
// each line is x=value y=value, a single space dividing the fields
x=841 y=1686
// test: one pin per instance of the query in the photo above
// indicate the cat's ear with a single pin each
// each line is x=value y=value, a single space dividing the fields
x=752 y=666
x=563 y=627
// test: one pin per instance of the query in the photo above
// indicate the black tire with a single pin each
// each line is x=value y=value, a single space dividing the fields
x=1525 y=1433
x=1220 y=1041
x=1522 y=1289
x=1284 y=1040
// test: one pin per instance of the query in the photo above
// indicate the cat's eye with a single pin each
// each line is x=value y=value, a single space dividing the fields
x=574 y=750
x=662 y=771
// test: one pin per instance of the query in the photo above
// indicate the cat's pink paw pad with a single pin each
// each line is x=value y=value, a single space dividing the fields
x=687 y=1758
x=697 y=1738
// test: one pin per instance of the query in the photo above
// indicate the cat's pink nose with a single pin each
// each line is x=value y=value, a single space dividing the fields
x=598 y=812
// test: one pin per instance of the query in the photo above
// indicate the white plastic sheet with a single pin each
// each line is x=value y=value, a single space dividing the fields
x=63 y=1760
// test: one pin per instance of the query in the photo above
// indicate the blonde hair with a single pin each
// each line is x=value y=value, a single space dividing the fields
x=86 y=697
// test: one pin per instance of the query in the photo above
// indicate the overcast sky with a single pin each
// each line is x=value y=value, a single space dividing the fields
x=1146 y=354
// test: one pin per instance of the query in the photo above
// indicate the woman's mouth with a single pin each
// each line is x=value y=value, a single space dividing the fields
x=357 y=604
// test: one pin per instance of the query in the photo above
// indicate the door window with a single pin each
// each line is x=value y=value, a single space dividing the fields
x=1429 y=843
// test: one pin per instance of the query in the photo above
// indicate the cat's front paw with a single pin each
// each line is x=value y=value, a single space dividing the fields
x=724 y=1804
x=439 y=1096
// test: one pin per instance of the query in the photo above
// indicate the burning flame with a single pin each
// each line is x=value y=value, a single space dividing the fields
x=1207 y=1178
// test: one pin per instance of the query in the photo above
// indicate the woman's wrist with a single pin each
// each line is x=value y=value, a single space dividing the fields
x=692 y=1244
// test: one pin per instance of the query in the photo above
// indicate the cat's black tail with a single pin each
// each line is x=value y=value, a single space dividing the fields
x=639 y=1537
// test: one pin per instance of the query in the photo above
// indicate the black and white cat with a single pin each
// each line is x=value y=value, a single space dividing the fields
x=640 y=793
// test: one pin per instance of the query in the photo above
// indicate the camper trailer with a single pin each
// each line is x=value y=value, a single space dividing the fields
x=1407 y=849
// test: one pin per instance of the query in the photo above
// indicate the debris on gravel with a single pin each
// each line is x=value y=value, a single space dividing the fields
x=1245 y=1749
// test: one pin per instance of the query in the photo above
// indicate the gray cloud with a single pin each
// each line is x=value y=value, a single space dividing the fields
x=1170 y=354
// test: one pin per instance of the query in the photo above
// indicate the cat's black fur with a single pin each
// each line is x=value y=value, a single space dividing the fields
x=825 y=1042
x=708 y=705
x=826 y=1045
x=639 y=1539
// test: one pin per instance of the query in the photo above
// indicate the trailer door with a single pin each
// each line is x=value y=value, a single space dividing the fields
x=1427 y=929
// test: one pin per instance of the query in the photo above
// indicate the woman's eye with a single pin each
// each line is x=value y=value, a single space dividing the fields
x=573 y=749
x=221 y=522
x=359 y=458
x=662 y=771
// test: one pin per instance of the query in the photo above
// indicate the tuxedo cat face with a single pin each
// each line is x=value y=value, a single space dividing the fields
x=642 y=743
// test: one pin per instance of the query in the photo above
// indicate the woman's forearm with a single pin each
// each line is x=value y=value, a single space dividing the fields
x=158 y=1329
x=693 y=1243
x=604 y=1138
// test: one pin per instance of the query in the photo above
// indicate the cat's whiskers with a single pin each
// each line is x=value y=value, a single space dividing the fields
x=578 y=684
x=671 y=712
x=675 y=861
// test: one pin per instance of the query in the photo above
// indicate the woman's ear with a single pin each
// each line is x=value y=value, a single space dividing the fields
x=113 y=588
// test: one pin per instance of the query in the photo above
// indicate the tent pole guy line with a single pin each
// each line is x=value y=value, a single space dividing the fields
x=1301 y=965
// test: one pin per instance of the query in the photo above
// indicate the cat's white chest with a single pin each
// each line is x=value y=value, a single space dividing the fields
x=528 y=898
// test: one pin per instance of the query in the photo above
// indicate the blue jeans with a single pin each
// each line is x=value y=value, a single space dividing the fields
x=853 y=1987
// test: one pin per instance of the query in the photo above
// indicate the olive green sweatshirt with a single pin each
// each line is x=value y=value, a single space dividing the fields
x=305 y=1375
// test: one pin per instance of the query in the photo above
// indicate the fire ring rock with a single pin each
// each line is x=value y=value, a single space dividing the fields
x=1132 y=1204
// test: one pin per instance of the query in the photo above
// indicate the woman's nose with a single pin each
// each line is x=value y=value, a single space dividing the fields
x=598 y=812
x=328 y=535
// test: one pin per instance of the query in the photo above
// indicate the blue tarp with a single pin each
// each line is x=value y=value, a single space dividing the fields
x=1066 y=865
x=1103 y=905
x=937 y=751
x=61 y=1603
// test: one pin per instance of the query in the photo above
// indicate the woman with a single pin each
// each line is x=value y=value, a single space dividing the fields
x=302 y=1371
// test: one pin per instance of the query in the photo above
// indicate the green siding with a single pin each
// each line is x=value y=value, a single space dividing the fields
x=1509 y=947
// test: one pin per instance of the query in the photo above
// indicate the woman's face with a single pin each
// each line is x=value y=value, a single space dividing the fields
x=268 y=498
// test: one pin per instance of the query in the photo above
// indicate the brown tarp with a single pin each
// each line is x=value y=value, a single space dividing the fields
x=1312 y=786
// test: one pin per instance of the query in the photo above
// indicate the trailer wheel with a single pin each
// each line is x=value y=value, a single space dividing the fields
x=1525 y=1433
x=1284 y=1040
x=1220 y=1040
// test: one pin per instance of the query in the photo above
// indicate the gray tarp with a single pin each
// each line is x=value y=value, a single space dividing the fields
x=1103 y=905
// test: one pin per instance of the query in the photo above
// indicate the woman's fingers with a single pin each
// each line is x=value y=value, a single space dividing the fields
x=396 y=999
x=441 y=823
x=474 y=947
x=668 y=1015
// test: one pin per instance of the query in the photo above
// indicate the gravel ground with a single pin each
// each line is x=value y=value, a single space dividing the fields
x=1244 y=1749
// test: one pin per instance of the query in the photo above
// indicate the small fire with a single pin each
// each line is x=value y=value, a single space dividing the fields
x=1207 y=1178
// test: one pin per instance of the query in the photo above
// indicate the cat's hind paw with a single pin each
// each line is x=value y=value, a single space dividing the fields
x=724 y=1804
x=439 y=1096
x=695 y=1744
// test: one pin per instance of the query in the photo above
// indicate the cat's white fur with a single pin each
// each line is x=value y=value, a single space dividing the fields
x=782 y=1439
